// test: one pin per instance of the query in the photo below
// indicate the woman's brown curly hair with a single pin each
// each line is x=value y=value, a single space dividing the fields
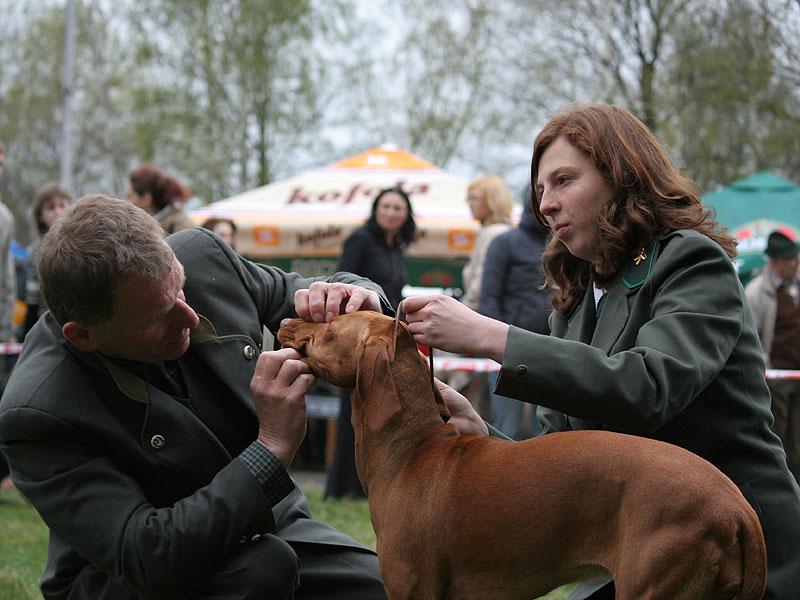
x=650 y=197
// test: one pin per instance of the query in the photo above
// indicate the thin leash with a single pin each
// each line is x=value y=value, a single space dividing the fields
x=493 y=431
x=394 y=341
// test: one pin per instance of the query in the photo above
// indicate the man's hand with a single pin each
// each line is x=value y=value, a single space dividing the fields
x=462 y=414
x=278 y=387
x=322 y=301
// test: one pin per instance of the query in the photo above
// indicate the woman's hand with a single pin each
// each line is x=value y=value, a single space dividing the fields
x=462 y=414
x=443 y=322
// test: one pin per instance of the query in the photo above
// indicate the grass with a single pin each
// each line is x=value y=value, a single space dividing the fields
x=23 y=542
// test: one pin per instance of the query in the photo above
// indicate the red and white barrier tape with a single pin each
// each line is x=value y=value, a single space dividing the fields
x=451 y=363
x=485 y=365
x=10 y=347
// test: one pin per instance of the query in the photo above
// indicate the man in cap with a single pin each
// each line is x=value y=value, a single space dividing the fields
x=774 y=298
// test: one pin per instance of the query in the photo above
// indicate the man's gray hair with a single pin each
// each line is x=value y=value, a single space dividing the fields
x=92 y=248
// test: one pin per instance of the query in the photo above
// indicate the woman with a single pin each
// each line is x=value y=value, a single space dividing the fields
x=50 y=201
x=160 y=195
x=374 y=250
x=224 y=228
x=512 y=292
x=491 y=204
x=651 y=333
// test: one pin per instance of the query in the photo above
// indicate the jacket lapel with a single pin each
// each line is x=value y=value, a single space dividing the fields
x=169 y=431
x=616 y=305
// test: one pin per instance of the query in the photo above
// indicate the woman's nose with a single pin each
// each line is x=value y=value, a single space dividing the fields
x=547 y=205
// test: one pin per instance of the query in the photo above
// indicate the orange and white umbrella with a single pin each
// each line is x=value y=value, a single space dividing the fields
x=311 y=214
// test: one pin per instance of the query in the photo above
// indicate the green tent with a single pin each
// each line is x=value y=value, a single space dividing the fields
x=753 y=207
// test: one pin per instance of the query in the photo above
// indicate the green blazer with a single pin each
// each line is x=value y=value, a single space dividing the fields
x=674 y=356
x=143 y=491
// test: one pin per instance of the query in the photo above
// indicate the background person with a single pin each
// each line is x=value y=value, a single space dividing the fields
x=774 y=298
x=160 y=195
x=512 y=292
x=154 y=440
x=375 y=251
x=51 y=199
x=490 y=203
x=8 y=293
x=651 y=333
x=224 y=228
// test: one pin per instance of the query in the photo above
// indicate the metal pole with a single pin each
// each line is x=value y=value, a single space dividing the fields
x=66 y=109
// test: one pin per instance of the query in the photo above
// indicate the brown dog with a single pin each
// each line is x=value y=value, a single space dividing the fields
x=467 y=516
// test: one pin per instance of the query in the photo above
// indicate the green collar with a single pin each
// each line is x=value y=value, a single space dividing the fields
x=639 y=267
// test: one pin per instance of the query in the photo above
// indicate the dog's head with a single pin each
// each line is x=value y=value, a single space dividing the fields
x=360 y=346
x=332 y=349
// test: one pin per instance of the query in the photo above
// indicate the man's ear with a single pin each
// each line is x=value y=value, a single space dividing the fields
x=79 y=335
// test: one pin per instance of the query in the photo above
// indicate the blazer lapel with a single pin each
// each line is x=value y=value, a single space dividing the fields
x=616 y=304
x=612 y=319
x=170 y=433
x=583 y=321
x=232 y=358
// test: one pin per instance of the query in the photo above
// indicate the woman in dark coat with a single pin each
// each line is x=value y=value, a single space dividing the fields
x=651 y=334
x=512 y=291
x=375 y=251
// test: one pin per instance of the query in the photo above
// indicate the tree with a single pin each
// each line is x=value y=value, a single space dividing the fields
x=247 y=81
x=731 y=105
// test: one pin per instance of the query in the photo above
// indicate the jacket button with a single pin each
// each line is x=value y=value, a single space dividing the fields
x=158 y=441
x=522 y=370
x=249 y=352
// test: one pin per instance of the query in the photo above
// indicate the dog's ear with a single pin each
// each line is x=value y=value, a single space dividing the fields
x=375 y=383
x=405 y=343
x=444 y=412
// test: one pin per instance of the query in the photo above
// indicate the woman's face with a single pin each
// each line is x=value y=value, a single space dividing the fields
x=144 y=202
x=391 y=213
x=224 y=230
x=52 y=209
x=572 y=191
x=478 y=205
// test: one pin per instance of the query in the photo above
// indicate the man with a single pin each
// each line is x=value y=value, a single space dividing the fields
x=774 y=298
x=149 y=432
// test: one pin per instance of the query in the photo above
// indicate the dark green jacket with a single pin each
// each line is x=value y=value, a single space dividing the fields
x=139 y=491
x=673 y=356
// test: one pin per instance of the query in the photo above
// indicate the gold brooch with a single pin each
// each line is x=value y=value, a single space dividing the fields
x=639 y=257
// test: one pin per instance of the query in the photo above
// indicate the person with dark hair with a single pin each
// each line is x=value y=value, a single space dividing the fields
x=153 y=440
x=224 y=228
x=512 y=291
x=774 y=297
x=651 y=333
x=51 y=199
x=375 y=251
x=160 y=195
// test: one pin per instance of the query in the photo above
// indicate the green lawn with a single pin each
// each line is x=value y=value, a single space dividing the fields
x=23 y=542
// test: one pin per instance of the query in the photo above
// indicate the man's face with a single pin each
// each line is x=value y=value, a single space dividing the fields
x=152 y=321
x=785 y=268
